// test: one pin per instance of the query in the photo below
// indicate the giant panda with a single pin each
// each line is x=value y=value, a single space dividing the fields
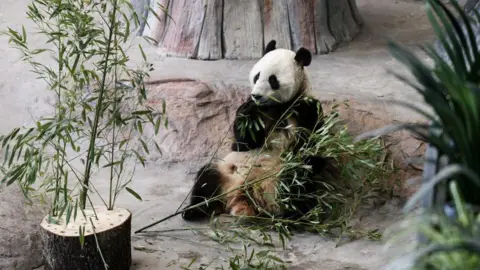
x=279 y=116
x=280 y=103
x=248 y=181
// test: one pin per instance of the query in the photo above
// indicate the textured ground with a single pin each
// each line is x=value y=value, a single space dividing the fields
x=357 y=70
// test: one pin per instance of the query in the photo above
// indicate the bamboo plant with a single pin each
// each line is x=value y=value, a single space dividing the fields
x=100 y=109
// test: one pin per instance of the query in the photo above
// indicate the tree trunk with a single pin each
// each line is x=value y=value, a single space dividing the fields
x=216 y=29
x=111 y=233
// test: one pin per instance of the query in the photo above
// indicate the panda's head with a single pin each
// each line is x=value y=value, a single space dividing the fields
x=211 y=181
x=279 y=75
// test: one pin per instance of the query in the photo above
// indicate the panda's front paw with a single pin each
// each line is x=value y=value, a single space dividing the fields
x=248 y=108
x=194 y=214
x=242 y=209
x=316 y=162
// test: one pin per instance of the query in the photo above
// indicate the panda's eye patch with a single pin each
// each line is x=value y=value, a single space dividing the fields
x=255 y=79
x=274 y=84
x=233 y=168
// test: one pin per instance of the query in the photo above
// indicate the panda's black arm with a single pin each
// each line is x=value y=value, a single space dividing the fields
x=309 y=115
x=247 y=137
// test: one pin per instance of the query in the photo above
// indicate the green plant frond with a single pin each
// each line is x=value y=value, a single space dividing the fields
x=444 y=174
x=450 y=86
x=446 y=36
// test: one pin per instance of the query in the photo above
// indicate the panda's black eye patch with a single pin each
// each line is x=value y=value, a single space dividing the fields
x=255 y=79
x=274 y=84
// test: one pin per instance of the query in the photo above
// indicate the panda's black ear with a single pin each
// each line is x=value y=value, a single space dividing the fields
x=270 y=46
x=303 y=57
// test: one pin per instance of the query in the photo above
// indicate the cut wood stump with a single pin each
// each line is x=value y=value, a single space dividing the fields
x=110 y=233
x=216 y=29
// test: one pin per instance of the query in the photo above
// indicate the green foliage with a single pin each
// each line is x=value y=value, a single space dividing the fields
x=455 y=242
x=452 y=242
x=100 y=109
x=360 y=173
x=263 y=260
x=450 y=88
x=358 y=169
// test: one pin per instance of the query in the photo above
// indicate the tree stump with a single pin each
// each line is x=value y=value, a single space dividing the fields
x=111 y=232
x=216 y=29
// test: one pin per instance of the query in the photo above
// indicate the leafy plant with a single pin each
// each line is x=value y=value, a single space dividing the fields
x=450 y=88
x=360 y=172
x=100 y=109
x=357 y=171
x=456 y=242
x=453 y=242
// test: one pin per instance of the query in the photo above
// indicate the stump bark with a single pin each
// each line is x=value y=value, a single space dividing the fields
x=110 y=232
x=215 y=29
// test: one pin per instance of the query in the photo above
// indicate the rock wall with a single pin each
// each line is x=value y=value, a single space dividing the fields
x=20 y=243
x=199 y=118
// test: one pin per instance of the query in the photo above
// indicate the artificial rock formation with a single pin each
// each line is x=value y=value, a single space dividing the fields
x=199 y=118
x=215 y=29
x=20 y=243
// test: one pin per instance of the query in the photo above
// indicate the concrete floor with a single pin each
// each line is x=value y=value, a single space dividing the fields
x=356 y=70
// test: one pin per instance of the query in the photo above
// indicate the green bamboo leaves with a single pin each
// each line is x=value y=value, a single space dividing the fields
x=101 y=111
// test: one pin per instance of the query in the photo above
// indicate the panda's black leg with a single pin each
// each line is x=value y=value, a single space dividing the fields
x=303 y=197
x=317 y=163
x=247 y=137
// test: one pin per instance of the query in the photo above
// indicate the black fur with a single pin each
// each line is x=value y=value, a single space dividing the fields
x=255 y=79
x=273 y=81
x=303 y=57
x=308 y=113
x=207 y=185
x=305 y=111
x=304 y=197
x=270 y=46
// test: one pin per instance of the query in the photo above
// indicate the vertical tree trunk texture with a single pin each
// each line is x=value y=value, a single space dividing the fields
x=239 y=29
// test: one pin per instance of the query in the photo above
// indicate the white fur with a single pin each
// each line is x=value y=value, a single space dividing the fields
x=291 y=76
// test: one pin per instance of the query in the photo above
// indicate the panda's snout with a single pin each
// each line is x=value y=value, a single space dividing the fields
x=256 y=97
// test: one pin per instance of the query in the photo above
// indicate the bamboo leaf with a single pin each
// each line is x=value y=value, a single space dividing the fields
x=142 y=52
x=135 y=194
x=145 y=147
x=81 y=233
